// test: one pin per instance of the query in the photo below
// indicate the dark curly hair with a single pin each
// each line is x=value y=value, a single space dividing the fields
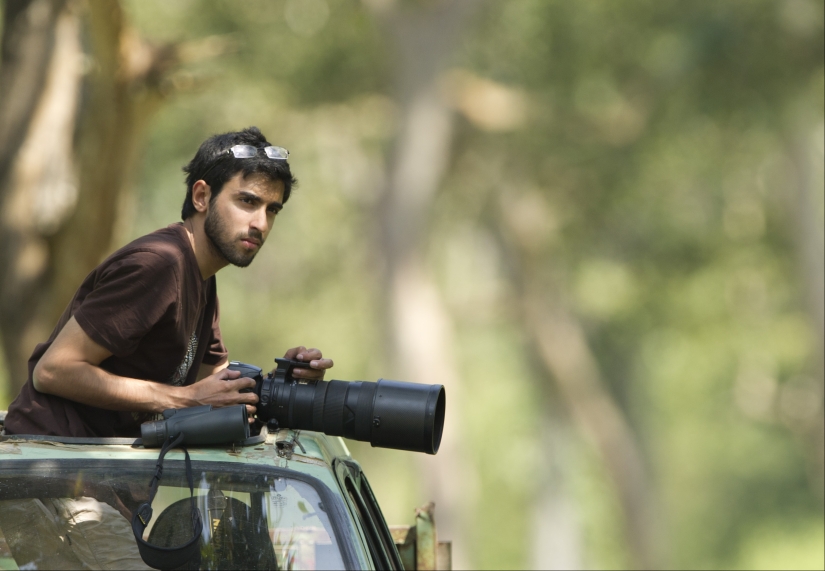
x=213 y=165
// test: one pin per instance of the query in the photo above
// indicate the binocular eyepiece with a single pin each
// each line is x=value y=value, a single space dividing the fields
x=387 y=414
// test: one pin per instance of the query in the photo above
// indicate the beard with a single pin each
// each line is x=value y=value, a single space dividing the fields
x=224 y=245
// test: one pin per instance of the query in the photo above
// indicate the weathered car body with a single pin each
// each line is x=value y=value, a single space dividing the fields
x=290 y=500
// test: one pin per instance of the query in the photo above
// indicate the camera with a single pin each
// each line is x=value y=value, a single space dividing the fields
x=387 y=414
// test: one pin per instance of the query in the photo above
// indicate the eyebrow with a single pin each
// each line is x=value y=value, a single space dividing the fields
x=251 y=195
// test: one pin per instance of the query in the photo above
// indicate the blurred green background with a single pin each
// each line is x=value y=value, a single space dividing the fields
x=600 y=224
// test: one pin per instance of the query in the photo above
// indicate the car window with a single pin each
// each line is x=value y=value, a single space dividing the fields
x=377 y=550
x=379 y=540
x=383 y=530
x=57 y=515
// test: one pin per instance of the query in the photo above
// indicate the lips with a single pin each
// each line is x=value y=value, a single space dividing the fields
x=250 y=243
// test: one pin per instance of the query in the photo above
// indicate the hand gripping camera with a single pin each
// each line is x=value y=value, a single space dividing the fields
x=387 y=414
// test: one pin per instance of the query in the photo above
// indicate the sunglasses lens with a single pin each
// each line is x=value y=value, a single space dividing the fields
x=244 y=151
x=276 y=152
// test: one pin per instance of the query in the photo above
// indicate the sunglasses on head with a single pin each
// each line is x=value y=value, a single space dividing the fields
x=249 y=151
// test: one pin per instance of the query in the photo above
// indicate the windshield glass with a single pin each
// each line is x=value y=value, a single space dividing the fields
x=71 y=515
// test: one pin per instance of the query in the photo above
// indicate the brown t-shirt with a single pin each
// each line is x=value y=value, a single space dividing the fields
x=149 y=306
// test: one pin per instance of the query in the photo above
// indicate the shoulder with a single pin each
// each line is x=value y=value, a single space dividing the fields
x=161 y=252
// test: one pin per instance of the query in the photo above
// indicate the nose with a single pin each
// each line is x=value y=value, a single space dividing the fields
x=259 y=221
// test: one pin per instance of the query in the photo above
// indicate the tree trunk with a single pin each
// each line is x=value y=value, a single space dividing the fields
x=809 y=241
x=40 y=86
x=557 y=541
x=27 y=44
x=562 y=348
x=70 y=122
x=420 y=328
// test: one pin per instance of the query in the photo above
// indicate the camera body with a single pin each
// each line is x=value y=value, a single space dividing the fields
x=250 y=372
x=387 y=414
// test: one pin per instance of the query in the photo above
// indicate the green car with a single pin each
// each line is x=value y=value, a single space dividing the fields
x=286 y=500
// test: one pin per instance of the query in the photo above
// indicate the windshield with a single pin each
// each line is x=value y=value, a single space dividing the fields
x=72 y=515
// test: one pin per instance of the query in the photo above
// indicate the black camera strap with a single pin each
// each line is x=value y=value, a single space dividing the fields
x=168 y=557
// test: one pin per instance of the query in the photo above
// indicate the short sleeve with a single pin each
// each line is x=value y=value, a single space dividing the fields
x=128 y=299
x=216 y=350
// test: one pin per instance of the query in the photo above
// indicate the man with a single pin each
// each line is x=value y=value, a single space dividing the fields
x=142 y=334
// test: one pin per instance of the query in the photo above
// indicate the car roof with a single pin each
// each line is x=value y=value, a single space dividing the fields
x=299 y=450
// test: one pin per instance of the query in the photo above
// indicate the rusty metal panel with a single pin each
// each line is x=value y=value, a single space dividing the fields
x=425 y=538
x=418 y=544
x=444 y=556
x=404 y=538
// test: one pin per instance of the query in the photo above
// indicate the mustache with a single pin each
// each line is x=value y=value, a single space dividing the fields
x=254 y=235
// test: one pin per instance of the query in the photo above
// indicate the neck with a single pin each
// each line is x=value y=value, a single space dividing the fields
x=209 y=262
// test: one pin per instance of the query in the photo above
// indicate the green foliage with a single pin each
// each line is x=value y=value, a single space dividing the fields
x=331 y=53
x=656 y=140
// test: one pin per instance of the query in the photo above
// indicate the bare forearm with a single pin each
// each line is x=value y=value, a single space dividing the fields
x=89 y=384
x=70 y=368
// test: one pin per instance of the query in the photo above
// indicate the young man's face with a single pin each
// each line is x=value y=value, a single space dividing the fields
x=240 y=218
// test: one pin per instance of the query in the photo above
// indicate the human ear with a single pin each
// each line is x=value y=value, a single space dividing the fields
x=201 y=192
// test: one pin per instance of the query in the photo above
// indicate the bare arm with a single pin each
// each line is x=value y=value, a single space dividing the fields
x=70 y=369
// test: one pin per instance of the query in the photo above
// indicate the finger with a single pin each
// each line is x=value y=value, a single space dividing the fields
x=245 y=396
x=293 y=353
x=309 y=354
x=308 y=373
x=250 y=410
x=227 y=374
x=316 y=370
x=238 y=384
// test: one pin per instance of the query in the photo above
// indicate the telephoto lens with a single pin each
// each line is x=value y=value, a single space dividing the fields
x=387 y=414
x=201 y=426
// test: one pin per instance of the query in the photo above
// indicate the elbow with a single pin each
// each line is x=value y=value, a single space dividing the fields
x=43 y=376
